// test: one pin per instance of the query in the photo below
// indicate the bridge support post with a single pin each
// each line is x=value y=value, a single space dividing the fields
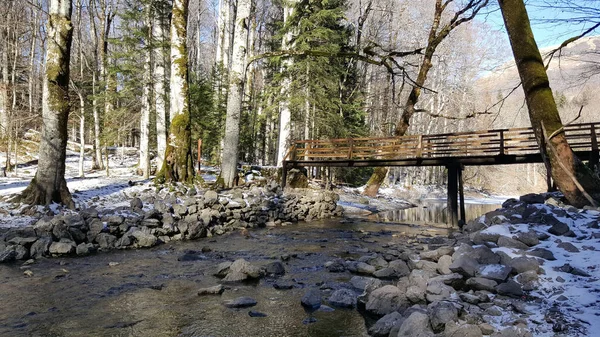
x=453 y=195
x=284 y=175
x=461 y=197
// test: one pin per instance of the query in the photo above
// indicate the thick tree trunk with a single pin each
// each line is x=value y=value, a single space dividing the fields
x=579 y=185
x=159 y=81
x=178 y=165
x=49 y=183
x=237 y=77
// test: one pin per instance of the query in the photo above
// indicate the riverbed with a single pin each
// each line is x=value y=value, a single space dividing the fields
x=153 y=292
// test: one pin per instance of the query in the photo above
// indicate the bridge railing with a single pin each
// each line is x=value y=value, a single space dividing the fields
x=518 y=141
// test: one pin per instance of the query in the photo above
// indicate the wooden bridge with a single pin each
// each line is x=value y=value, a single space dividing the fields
x=452 y=150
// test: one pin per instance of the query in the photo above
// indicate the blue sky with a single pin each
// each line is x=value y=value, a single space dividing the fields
x=549 y=33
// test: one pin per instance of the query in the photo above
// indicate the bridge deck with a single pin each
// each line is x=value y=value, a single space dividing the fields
x=491 y=147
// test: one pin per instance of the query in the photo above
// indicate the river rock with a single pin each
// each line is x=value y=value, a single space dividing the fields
x=522 y=264
x=311 y=299
x=106 y=241
x=443 y=264
x=136 y=204
x=210 y=198
x=496 y=272
x=416 y=325
x=479 y=283
x=512 y=331
x=438 y=291
x=385 y=300
x=275 y=269
x=83 y=249
x=384 y=325
x=364 y=268
x=62 y=248
x=532 y=198
x=462 y=330
x=8 y=255
x=241 y=302
x=507 y=242
x=510 y=288
x=440 y=313
x=559 y=228
x=41 y=247
x=542 y=253
x=485 y=255
x=529 y=238
x=215 y=290
x=465 y=265
x=241 y=270
x=569 y=247
x=361 y=282
x=144 y=239
x=343 y=298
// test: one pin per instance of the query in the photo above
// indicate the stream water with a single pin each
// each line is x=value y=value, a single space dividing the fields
x=153 y=292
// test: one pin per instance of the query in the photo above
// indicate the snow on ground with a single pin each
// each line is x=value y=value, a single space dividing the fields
x=578 y=296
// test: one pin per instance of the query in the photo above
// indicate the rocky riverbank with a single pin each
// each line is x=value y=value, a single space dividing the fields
x=184 y=214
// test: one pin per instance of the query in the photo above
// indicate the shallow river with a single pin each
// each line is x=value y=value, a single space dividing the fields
x=152 y=293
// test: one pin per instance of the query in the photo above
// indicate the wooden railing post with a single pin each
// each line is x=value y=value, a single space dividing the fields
x=351 y=149
x=594 y=156
x=501 y=142
x=420 y=147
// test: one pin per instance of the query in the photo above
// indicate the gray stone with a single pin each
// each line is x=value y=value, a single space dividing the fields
x=485 y=255
x=384 y=325
x=504 y=241
x=136 y=204
x=41 y=247
x=241 y=302
x=22 y=253
x=559 y=228
x=275 y=269
x=210 y=198
x=8 y=255
x=542 y=253
x=416 y=325
x=440 y=313
x=222 y=269
x=400 y=268
x=336 y=266
x=443 y=264
x=479 y=283
x=62 y=248
x=106 y=241
x=522 y=264
x=361 y=282
x=214 y=290
x=529 y=238
x=143 y=239
x=513 y=331
x=469 y=298
x=569 y=247
x=27 y=242
x=83 y=249
x=462 y=330
x=496 y=272
x=385 y=300
x=311 y=300
x=510 y=288
x=241 y=270
x=437 y=291
x=364 y=268
x=343 y=298
x=493 y=311
x=465 y=265
x=532 y=198
x=415 y=294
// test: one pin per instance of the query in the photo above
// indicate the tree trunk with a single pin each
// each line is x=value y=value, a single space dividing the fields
x=144 y=166
x=237 y=77
x=4 y=81
x=567 y=170
x=49 y=184
x=159 y=81
x=178 y=165
x=285 y=117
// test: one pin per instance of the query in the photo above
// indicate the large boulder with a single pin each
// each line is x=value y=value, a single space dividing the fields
x=416 y=325
x=241 y=270
x=440 y=313
x=343 y=298
x=62 y=248
x=385 y=300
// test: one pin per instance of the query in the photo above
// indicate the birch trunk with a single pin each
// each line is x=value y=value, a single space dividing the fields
x=285 y=117
x=49 y=184
x=178 y=166
x=577 y=182
x=144 y=166
x=159 y=34
x=4 y=86
x=237 y=78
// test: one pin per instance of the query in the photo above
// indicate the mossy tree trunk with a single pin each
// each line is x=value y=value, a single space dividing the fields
x=437 y=34
x=567 y=170
x=49 y=183
x=237 y=78
x=178 y=165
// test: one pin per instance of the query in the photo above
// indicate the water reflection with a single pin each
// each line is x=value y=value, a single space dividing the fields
x=432 y=212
